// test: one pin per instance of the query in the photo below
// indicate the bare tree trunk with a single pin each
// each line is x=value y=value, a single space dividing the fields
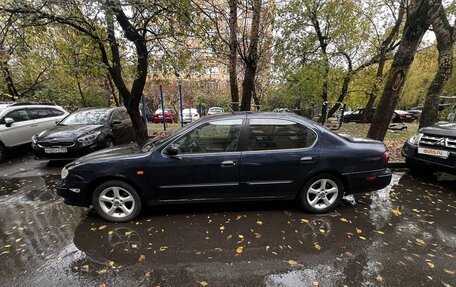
x=112 y=89
x=385 y=46
x=232 y=67
x=10 y=85
x=251 y=59
x=446 y=36
x=418 y=22
x=81 y=93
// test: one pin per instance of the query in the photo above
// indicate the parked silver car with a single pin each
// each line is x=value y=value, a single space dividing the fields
x=20 y=121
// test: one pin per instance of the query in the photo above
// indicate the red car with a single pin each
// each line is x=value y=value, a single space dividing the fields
x=158 y=116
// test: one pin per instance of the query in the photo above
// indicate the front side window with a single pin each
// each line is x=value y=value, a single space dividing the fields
x=275 y=134
x=212 y=137
x=18 y=116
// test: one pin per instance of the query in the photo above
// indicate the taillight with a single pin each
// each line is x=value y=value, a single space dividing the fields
x=386 y=157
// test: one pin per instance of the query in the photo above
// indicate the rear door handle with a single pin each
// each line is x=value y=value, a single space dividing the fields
x=307 y=158
x=228 y=163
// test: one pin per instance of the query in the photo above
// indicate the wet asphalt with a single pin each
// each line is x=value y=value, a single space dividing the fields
x=404 y=235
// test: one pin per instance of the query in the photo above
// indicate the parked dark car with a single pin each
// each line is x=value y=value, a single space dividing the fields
x=432 y=148
x=398 y=116
x=83 y=132
x=240 y=156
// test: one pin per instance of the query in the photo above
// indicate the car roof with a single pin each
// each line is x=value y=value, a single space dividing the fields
x=259 y=115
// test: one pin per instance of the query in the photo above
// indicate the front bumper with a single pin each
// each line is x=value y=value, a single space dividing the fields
x=366 y=181
x=72 y=153
x=410 y=152
x=74 y=193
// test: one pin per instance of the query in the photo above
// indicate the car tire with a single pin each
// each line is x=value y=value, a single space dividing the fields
x=2 y=153
x=116 y=201
x=315 y=198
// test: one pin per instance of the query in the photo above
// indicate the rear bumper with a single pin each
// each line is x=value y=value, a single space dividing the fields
x=367 y=181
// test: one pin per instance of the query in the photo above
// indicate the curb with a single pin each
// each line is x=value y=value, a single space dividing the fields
x=397 y=164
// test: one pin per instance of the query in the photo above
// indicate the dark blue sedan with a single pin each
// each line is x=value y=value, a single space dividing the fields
x=235 y=157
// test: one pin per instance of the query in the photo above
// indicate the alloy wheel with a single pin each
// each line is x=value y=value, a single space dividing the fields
x=322 y=193
x=116 y=202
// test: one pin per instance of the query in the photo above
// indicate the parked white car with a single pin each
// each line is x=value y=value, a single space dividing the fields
x=19 y=122
x=215 y=110
x=190 y=115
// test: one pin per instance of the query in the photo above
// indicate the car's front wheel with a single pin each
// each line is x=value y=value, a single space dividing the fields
x=321 y=193
x=116 y=201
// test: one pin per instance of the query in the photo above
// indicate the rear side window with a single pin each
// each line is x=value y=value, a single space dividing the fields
x=39 y=113
x=275 y=134
x=18 y=116
x=55 y=112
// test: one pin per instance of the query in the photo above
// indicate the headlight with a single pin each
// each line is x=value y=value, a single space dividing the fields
x=89 y=139
x=64 y=173
x=415 y=140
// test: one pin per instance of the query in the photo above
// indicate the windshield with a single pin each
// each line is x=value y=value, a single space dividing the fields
x=88 y=117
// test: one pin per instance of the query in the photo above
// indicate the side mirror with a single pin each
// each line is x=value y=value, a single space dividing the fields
x=9 y=122
x=172 y=150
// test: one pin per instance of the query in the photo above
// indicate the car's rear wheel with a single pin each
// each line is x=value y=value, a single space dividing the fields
x=321 y=193
x=116 y=201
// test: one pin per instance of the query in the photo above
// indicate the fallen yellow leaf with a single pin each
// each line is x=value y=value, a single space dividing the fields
x=343 y=219
x=203 y=283
x=292 y=262
x=259 y=222
x=222 y=227
x=362 y=237
x=239 y=250
x=315 y=283
x=111 y=263
x=451 y=272
x=420 y=242
x=110 y=232
x=304 y=220
x=102 y=227
x=358 y=230
x=431 y=265
x=142 y=257
x=396 y=212
x=317 y=246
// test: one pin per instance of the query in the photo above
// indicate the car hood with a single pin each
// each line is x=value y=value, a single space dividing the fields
x=68 y=132
x=111 y=153
x=442 y=129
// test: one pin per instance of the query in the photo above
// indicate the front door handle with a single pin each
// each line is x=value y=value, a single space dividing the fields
x=306 y=158
x=228 y=163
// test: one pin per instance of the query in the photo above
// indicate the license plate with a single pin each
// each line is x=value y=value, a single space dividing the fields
x=433 y=152
x=55 y=150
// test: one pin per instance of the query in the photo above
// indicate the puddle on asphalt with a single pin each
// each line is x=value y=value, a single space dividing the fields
x=403 y=231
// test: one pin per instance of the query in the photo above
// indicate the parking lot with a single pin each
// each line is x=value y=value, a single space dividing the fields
x=405 y=231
